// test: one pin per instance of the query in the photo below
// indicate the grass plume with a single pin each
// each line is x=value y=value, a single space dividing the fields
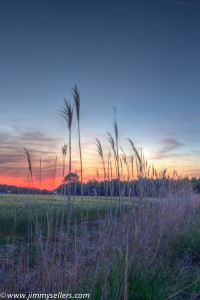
x=76 y=96
x=67 y=114
x=28 y=158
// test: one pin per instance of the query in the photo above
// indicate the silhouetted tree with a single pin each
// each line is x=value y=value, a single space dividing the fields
x=74 y=178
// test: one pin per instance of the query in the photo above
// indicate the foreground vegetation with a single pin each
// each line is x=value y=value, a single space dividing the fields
x=147 y=250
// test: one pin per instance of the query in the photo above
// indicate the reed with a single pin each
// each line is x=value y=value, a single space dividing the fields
x=100 y=152
x=117 y=148
x=76 y=96
x=64 y=153
x=67 y=114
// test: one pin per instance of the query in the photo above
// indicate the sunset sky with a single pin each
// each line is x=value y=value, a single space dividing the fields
x=141 y=56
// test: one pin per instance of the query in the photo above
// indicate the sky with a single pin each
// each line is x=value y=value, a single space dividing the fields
x=140 y=56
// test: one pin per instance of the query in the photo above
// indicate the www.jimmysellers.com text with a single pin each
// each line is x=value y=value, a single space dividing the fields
x=31 y=295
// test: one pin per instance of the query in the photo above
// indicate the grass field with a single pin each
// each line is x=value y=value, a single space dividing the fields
x=15 y=216
x=91 y=256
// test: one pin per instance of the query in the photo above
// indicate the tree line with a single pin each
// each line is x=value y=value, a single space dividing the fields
x=94 y=187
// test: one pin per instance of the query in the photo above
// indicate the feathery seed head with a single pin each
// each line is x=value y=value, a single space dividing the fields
x=67 y=113
x=28 y=160
x=135 y=151
x=76 y=96
x=99 y=148
x=123 y=155
x=64 y=150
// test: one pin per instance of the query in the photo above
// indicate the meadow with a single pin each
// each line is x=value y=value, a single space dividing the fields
x=152 y=248
x=140 y=240
x=15 y=218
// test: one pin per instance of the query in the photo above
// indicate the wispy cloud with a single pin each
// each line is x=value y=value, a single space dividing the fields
x=170 y=144
x=167 y=149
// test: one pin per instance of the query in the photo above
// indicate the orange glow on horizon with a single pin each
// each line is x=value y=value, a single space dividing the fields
x=91 y=163
x=50 y=184
x=47 y=184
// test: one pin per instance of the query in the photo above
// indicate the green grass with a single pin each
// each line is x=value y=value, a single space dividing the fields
x=15 y=218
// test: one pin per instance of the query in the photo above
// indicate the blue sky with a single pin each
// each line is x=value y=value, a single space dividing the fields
x=141 y=56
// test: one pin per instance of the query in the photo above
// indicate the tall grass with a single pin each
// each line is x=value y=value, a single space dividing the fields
x=76 y=97
x=67 y=114
x=64 y=153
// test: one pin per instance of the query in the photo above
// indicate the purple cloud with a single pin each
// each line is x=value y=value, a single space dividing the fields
x=168 y=146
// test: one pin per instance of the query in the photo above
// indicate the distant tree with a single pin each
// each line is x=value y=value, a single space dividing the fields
x=74 y=178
